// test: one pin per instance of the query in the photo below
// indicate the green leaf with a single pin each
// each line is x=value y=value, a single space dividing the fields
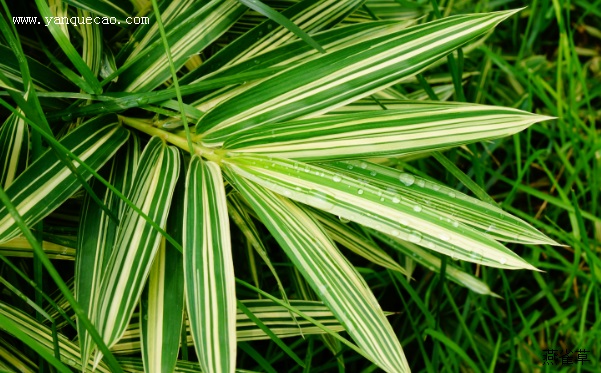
x=14 y=149
x=329 y=273
x=433 y=263
x=310 y=15
x=47 y=182
x=18 y=323
x=190 y=33
x=384 y=210
x=268 y=12
x=65 y=44
x=412 y=127
x=119 y=9
x=276 y=317
x=453 y=206
x=98 y=232
x=162 y=304
x=355 y=241
x=137 y=242
x=208 y=268
x=345 y=75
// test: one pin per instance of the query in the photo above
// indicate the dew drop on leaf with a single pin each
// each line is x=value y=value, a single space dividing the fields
x=415 y=237
x=407 y=179
x=417 y=208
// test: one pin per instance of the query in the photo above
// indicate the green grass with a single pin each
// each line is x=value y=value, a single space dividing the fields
x=290 y=234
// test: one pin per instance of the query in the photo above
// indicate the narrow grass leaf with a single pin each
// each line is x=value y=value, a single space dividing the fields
x=14 y=149
x=47 y=182
x=329 y=273
x=190 y=33
x=208 y=268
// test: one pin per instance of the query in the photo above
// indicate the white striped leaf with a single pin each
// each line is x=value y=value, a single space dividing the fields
x=276 y=317
x=353 y=240
x=288 y=56
x=310 y=16
x=137 y=242
x=383 y=210
x=69 y=351
x=47 y=182
x=98 y=233
x=208 y=268
x=412 y=127
x=329 y=273
x=119 y=9
x=346 y=75
x=433 y=263
x=455 y=207
x=162 y=304
x=14 y=149
x=190 y=33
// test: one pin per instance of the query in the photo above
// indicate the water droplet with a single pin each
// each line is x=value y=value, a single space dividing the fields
x=444 y=237
x=455 y=223
x=337 y=178
x=453 y=256
x=360 y=191
x=363 y=165
x=287 y=193
x=350 y=167
x=373 y=173
x=415 y=237
x=407 y=179
x=421 y=183
x=396 y=199
x=436 y=187
x=319 y=200
x=417 y=208
x=67 y=117
x=452 y=194
x=404 y=222
x=142 y=100
x=343 y=220
x=490 y=228
x=503 y=260
x=394 y=232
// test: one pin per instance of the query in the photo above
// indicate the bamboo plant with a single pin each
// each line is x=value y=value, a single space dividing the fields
x=192 y=146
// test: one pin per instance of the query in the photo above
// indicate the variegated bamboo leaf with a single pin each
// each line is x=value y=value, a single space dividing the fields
x=329 y=273
x=433 y=263
x=70 y=353
x=324 y=83
x=453 y=206
x=47 y=182
x=383 y=210
x=190 y=33
x=311 y=16
x=98 y=233
x=118 y=9
x=276 y=317
x=162 y=304
x=137 y=242
x=208 y=268
x=355 y=241
x=14 y=149
x=412 y=127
